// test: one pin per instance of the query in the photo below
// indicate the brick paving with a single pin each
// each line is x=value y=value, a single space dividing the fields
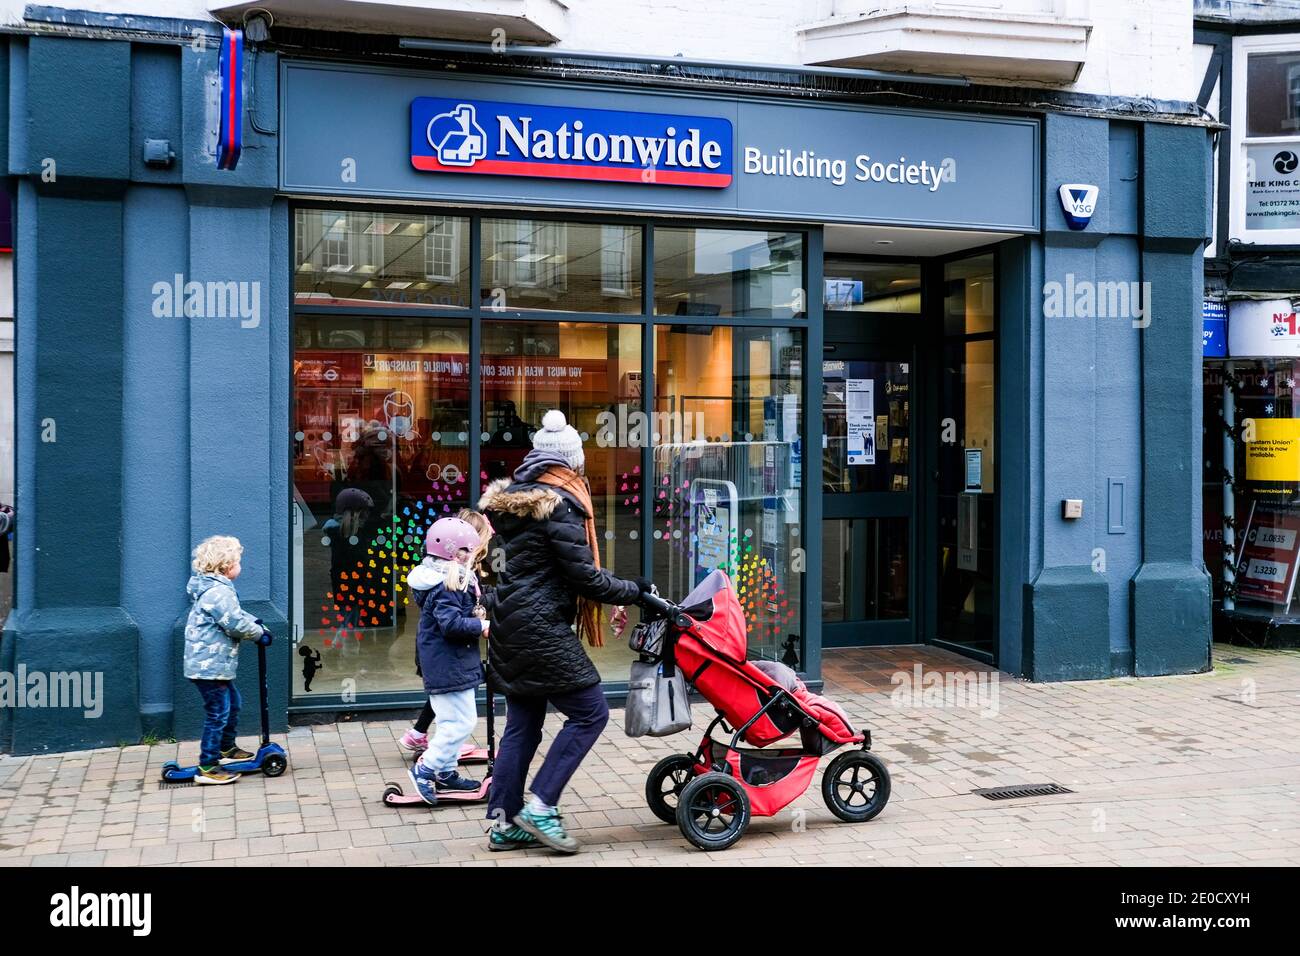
x=1201 y=770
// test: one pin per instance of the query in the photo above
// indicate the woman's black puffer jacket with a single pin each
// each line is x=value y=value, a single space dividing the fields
x=533 y=650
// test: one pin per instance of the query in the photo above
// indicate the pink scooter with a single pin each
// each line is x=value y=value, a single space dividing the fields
x=395 y=797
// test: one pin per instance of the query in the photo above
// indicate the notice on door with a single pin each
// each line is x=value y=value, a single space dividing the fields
x=860 y=413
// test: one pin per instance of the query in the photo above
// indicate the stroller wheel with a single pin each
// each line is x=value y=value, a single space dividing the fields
x=664 y=786
x=856 y=786
x=713 y=811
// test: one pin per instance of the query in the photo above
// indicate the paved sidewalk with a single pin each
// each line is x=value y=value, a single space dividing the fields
x=1178 y=771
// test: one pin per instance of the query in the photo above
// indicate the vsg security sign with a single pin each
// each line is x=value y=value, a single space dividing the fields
x=553 y=142
x=1078 y=202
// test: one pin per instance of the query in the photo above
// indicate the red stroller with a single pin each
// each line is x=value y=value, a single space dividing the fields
x=712 y=794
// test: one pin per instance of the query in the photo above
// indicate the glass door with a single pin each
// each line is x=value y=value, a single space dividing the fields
x=966 y=492
x=868 y=496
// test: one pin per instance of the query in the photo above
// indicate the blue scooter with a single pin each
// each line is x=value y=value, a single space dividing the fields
x=270 y=758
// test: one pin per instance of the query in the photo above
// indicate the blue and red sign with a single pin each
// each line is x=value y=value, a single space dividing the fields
x=230 y=142
x=558 y=142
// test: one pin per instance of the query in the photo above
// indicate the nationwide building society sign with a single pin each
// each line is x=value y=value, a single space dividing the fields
x=519 y=139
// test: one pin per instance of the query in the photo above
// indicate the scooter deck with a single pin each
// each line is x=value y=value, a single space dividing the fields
x=469 y=754
x=270 y=760
x=395 y=797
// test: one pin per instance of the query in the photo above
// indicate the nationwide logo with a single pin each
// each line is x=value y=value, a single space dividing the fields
x=518 y=139
x=1079 y=202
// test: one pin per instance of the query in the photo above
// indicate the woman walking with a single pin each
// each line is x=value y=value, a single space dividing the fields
x=547 y=602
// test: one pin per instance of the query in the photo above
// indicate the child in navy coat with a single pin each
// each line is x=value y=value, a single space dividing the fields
x=452 y=622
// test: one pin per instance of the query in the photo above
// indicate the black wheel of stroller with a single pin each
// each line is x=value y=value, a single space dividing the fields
x=713 y=811
x=664 y=786
x=856 y=786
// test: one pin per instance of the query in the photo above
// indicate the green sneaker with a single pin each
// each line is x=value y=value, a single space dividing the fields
x=515 y=838
x=547 y=828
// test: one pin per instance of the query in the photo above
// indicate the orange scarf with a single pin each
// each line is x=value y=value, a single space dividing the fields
x=589 y=623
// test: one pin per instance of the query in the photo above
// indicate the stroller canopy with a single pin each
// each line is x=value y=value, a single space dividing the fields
x=720 y=619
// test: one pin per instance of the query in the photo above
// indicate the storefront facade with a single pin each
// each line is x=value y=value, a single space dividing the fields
x=729 y=294
x=1252 y=274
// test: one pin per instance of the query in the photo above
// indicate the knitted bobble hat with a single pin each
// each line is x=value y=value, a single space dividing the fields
x=558 y=436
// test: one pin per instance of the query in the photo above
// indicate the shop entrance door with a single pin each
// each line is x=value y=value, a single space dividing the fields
x=869 y=500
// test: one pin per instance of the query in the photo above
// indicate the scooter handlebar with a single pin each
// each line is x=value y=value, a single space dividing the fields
x=265 y=639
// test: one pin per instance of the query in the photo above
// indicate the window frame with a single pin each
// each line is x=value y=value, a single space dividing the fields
x=1242 y=48
x=480 y=310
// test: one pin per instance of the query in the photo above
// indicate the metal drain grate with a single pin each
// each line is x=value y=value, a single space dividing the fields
x=1021 y=790
x=175 y=786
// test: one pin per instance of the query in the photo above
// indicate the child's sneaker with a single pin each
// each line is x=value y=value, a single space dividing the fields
x=452 y=782
x=422 y=779
x=214 y=775
x=545 y=825
x=236 y=754
x=511 y=838
x=413 y=742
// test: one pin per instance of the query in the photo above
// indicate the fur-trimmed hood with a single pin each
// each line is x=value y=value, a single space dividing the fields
x=527 y=501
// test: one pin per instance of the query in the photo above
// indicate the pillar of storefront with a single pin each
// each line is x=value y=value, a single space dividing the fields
x=1114 y=347
x=1068 y=615
x=1172 y=590
x=238 y=388
x=69 y=632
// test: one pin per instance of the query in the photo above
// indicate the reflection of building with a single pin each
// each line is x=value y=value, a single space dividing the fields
x=379 y=259
x=1250 y=53
x=699 y=293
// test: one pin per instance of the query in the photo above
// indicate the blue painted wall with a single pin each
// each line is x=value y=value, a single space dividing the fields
x=167 y=429
x=1117 y=424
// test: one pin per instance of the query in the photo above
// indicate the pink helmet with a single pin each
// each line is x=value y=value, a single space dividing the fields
x=448 y=536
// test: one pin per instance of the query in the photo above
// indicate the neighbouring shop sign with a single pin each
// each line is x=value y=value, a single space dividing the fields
x=1266 y=328
x=1273 y=187
x=459 y=139
x=1274 y=453
x=567 y=142
x=1267 y=570
x=1214 y=331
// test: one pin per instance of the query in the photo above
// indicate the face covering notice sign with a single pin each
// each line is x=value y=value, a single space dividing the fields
x=859 y=410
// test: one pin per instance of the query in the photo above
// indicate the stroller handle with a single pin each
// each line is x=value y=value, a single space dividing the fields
x=653 y=602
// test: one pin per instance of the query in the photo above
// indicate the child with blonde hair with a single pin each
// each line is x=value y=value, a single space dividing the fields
x=215 y=626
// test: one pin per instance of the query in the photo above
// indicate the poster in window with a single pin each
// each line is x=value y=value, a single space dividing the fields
x=860 y=405
x=1273 y=186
